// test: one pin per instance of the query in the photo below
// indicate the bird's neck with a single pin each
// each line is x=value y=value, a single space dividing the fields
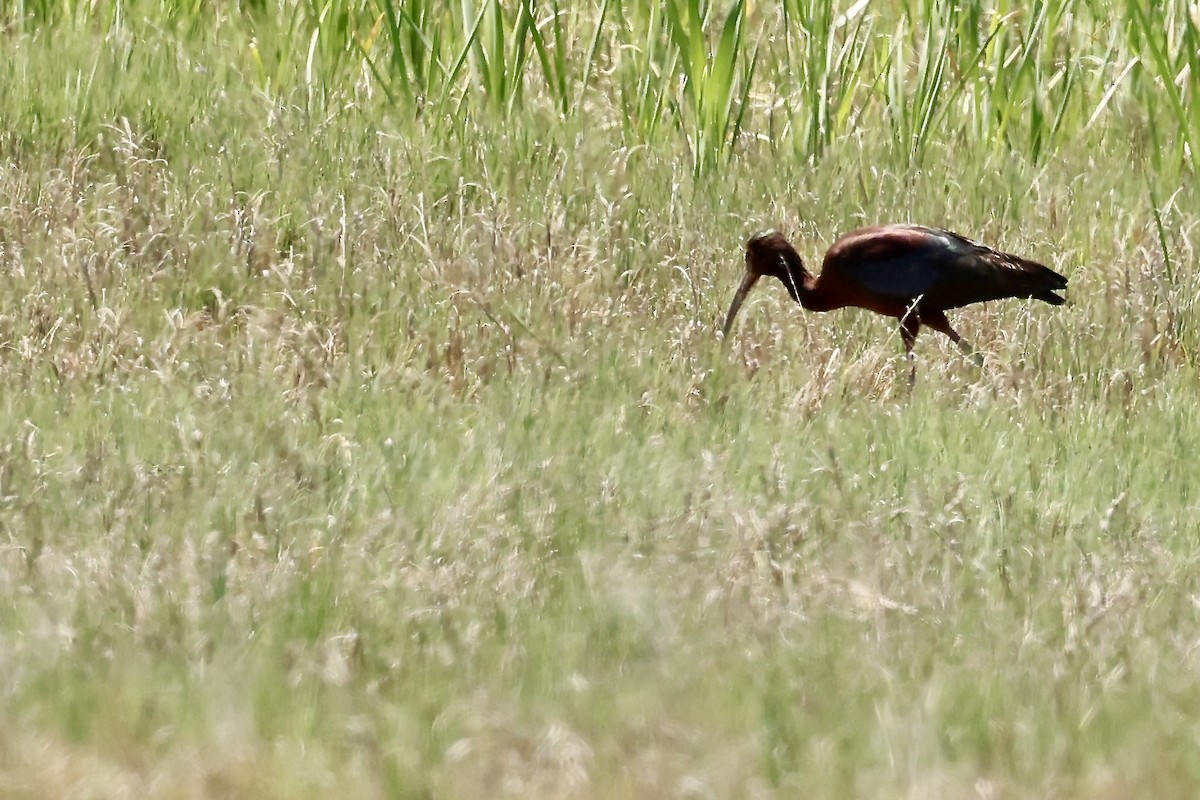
x=809 y=294
x=801 y=285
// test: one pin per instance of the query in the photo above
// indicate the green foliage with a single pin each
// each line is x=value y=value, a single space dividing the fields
x=817 y=70
x=715 y=111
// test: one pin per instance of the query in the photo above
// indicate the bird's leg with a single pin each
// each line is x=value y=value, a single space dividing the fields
x=909 y=326
x=937 y=320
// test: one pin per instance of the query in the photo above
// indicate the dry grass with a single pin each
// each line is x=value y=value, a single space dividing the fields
x=347 y=453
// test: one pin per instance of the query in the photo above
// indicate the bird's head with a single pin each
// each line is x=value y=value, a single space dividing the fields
x=768 y=253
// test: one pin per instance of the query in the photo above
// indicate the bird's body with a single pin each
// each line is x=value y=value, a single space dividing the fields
x=909 y=272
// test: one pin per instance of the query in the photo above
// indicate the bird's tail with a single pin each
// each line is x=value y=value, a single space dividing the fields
x=1039 y=281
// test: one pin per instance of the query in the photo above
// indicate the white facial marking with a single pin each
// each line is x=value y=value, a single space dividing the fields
x=758 y=237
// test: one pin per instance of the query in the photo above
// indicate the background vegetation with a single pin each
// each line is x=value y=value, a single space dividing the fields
x=367 y=430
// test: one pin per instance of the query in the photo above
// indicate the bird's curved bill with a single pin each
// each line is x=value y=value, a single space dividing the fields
x=748 y=282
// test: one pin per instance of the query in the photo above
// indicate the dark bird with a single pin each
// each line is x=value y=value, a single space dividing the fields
x=908 y=272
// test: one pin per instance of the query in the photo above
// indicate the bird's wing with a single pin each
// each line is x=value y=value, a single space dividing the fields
x=939 y=268
x=901 y=260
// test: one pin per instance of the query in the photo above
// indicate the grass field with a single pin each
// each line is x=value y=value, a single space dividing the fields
x=367 y=430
